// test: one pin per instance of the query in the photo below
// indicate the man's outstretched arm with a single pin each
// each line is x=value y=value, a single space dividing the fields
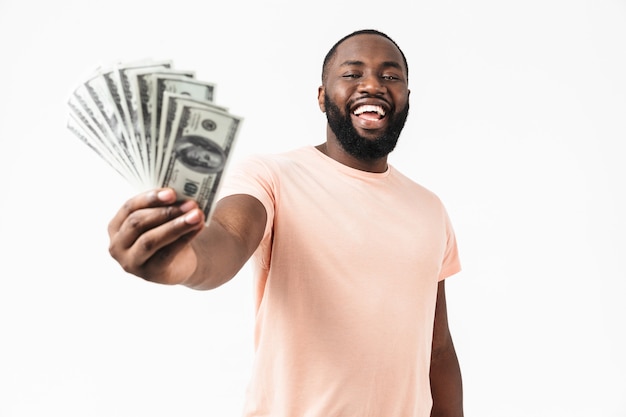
x=164 y=241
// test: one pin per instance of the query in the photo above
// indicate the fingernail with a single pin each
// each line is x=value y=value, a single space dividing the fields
x=192 y=217
x=187 y=205
x=165 y=195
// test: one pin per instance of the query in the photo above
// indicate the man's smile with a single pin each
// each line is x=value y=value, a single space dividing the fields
x=369 y=116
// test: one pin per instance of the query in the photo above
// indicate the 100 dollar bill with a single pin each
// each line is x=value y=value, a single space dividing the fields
x=156 y=126
x=198 y=149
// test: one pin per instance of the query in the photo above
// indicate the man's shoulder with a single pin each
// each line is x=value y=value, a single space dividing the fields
x=413 y=186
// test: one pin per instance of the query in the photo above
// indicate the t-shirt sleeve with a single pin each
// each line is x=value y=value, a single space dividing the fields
x=253 y=177
x=451 y=263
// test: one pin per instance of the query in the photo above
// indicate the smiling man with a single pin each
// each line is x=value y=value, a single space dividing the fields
x=374 y=96
x=350 y=256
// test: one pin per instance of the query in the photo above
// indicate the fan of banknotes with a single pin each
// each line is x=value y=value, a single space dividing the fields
x=156 y=126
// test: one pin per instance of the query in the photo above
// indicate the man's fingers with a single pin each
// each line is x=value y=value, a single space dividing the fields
x=143 y=220
x=153 y=198
x=151 y=222
x=160 y=230
x=148 y=231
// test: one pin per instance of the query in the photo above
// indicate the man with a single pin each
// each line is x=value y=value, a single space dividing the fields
x=350 y=256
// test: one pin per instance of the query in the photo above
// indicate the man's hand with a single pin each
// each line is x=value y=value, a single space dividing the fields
x=150 y=236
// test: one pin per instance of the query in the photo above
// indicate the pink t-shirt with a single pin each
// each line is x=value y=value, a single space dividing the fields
x=346 y=280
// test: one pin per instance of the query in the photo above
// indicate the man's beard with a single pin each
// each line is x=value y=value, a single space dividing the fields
x=358 y=146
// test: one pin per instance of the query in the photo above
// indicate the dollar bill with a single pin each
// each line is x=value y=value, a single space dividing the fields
x=122 y=75
x=106 y=108
x=113 y=84
x=141 y=82
x=171 y=103
x=93 y=116
x=156 y=126
x=86 y=135
x=202 y=139
x=162 y=83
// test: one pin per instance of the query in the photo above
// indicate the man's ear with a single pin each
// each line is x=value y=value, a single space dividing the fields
x=320 y=98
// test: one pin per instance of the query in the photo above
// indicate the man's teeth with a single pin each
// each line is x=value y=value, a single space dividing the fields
x=370 y=108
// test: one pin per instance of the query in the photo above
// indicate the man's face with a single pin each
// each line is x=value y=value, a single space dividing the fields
x=203 y=157
x=365 y=96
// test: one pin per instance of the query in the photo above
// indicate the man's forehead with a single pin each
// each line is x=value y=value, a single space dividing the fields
x=367 y=46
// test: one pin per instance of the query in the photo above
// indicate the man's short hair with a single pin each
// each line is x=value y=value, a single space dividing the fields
x=333 y=50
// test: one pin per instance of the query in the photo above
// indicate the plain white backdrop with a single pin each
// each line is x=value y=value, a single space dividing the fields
x=518 y=122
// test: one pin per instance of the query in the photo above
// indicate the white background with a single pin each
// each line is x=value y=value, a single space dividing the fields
x=518 y=123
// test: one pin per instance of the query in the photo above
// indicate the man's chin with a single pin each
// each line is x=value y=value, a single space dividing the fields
x=368 y=149
x=369 y=134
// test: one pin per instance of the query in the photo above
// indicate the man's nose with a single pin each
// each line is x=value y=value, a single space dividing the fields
x=372 y=84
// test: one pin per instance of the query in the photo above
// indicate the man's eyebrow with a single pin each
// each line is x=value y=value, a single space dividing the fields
x=392 y=64
x=352 y=63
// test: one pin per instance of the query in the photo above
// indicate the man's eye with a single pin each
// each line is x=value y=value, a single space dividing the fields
x=390 y=77
x=351 y=76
